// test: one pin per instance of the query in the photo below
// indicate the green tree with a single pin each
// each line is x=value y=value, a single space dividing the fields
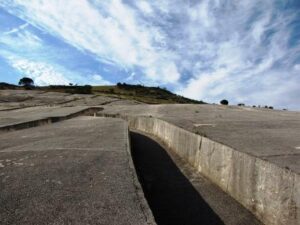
x=224 y=102
x=26 y=81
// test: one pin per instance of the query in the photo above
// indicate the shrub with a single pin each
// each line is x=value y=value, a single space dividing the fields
x=86 y=89
x=26 y=82
x=224 y=102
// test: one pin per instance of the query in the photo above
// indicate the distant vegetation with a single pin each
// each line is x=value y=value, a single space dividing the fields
x=151 y=95
x=26 y=82
x=74 y=89
x=224 y=102
x=4 y=86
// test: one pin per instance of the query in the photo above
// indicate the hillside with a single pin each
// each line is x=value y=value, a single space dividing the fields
x=150 y=95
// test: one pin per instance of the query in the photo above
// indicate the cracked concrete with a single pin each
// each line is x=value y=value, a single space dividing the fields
x=78 y=171
x=247 y=171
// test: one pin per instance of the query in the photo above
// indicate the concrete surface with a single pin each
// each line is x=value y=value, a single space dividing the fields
x=75 y=172
x=252 y=154
x=177 y=193
x=35 y=116
x=268 y=134
x=268 y=188
x=11 y=99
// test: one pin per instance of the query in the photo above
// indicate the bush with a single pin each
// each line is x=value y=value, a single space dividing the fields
x=86 y=89
x=224 y=102
x=26 y=82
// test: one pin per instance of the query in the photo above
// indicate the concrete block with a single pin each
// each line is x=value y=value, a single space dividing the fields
x=270 y=192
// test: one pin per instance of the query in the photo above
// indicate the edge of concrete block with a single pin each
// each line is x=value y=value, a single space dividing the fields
x=48 y=120
x=270 y=192
x=145 y=208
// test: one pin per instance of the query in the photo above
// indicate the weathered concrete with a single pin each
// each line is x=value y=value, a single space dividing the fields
x=266 y=187
x=12 y=99
x=75 y=172
x=271 y=135
x=37 y=116
x=177 y=193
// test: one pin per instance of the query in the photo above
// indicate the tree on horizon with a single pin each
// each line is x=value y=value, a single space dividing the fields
x=26 y=81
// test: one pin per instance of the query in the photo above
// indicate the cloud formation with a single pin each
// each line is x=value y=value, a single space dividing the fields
x=42 y=74
x=108 y=29
x=245 y=51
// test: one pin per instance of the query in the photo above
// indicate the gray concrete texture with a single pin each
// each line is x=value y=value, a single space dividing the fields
x=184 y=197
x=12 y=99
x=272 y=135
x=35 y=116
x=75 y=172
x=245 y=170
x=252 y=154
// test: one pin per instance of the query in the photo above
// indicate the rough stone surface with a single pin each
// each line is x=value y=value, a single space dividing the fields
x=75 y=172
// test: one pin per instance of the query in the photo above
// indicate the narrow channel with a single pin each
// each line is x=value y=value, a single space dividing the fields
x=171 y=197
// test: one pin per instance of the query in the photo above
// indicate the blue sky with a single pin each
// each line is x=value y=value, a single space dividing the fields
x=245 y=51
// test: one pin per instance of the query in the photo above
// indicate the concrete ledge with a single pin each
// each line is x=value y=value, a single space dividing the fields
x=271 y=193
x=47 y=120
x=149 y=218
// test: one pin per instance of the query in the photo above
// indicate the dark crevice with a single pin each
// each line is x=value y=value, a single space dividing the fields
x=171 y=197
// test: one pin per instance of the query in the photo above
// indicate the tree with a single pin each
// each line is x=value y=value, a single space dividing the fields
x=224 y=102
x=26 y=81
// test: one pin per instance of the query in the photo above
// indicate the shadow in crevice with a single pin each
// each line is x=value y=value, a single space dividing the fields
x=171 y=197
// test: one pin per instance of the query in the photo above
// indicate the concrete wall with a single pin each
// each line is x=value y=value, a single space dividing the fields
x=269 y=192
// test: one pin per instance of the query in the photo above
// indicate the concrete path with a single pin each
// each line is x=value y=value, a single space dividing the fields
x=75 y=172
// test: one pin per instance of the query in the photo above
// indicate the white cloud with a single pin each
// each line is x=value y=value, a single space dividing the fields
x=19 y=39
x=131 y=77
x=109 y=29
x=297 y=67
x=98 y=80
x=145 y=7
x=16 y=30
x=243 y=62
x=41 y=73
x=233 y=49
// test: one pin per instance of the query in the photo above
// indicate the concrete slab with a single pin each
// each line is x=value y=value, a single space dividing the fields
x=92 y=101
x=269 y=134
x=74 y=172
x=33 y=116
x=29 y=98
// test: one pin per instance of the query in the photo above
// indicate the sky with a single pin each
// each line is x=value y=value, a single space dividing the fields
x=244 y=51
